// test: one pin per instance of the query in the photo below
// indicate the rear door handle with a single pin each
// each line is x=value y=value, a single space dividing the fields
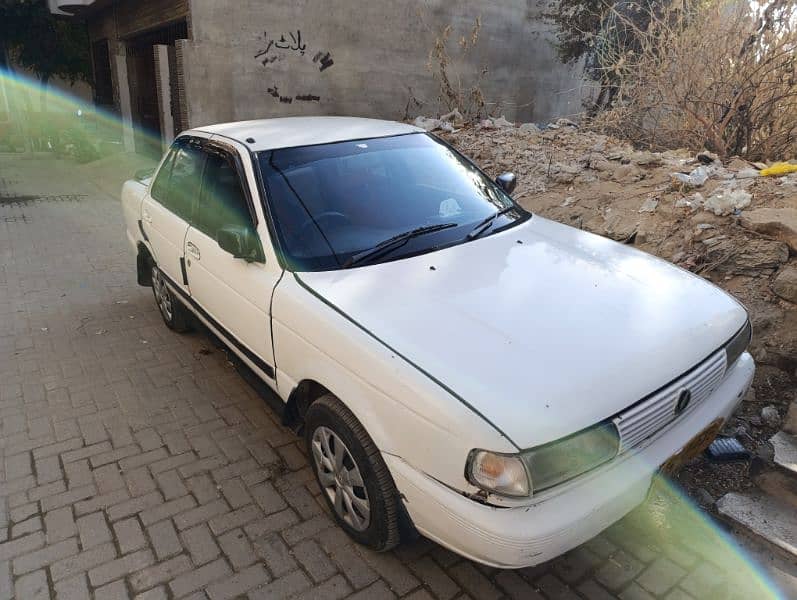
x=146 y=217
x=191 y=249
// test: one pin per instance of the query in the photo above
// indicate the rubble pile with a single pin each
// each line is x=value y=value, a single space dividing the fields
x=723 y=220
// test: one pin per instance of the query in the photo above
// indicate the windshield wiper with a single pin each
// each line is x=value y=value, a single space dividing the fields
x=401 y=238
x=487 y=223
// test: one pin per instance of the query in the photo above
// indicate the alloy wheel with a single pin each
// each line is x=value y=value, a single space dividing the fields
x=162 y=294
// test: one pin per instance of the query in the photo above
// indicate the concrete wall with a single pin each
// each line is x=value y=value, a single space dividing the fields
x=248 y=62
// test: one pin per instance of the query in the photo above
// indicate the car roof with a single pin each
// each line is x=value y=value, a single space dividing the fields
x=290 y=132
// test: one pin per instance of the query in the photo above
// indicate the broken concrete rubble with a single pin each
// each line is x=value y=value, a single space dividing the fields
x=780 y=223
x=752 y=257
x=433 y=124
x=785 y=283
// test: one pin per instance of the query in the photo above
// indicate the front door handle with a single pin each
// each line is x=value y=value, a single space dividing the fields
x=191 y=249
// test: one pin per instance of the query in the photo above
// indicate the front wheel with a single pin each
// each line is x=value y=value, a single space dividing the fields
x=175 y=315
x=354 y=479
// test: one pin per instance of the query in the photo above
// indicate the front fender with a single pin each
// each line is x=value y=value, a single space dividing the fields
x=405 y=412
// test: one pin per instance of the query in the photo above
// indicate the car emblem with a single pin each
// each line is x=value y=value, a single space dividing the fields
x=684 y=398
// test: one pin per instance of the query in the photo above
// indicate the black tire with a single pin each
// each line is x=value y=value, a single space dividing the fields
x=174 y=313
x=382 y=530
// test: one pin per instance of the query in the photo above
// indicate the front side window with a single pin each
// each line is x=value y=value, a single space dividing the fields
x=331 y=203
x=160 y=187
x=185 y=179
x=223 y=203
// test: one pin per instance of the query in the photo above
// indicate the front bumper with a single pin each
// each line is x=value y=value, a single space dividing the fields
x=562 y=518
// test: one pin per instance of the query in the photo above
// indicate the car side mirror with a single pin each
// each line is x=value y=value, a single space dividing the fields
x=240 y=242
x=507 y=182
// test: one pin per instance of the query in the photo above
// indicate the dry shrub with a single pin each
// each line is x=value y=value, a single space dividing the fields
x=457 y=90
x=715 y=74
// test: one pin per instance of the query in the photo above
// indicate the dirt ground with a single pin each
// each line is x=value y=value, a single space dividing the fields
x=604 y=186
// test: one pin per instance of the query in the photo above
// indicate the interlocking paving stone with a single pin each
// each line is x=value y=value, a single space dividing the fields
x=199 y=578
x=240 y=583
x=45 y=556
x=618 y=570
x=286 y=586
x=129 y=535
x=660 y=576
x=23 y=545
x=134 y=505
x=113 y=591
x=236 y=518
x=28 y=526
x=200 y=514
x=130 y=563
x=74 y=588
x=164 y=539
x=200 y=543
x=60 y=524
x=514 y=586
x=160 y=573
x=93 y=530
x=82 y=562
x=167 y=509
x=33 y=586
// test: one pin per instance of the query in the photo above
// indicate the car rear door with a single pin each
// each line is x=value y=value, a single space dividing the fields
x=232 y=294
x=167 y=209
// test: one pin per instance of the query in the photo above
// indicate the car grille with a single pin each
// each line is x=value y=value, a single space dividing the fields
x=644 y=419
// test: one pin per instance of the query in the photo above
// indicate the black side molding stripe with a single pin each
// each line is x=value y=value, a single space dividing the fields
x=141 y=229
x=405 y=359
x=182 y=269
x=251 y=356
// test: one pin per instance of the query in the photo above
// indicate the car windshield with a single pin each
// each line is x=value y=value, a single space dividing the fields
x=333 y=203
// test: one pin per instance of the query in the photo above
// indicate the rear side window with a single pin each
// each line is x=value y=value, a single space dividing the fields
x=223 y=203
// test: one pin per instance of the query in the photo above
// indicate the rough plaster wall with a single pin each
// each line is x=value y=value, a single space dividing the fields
x=379 y=49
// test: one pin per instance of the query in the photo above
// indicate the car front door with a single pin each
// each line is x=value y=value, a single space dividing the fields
x=167 y=210
x=233 y=293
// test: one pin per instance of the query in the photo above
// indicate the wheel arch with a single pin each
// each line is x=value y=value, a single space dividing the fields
x=301 y=397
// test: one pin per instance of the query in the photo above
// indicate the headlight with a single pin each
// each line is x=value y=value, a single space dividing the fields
x=738 y=344
x=498 y=473
x=564 y=459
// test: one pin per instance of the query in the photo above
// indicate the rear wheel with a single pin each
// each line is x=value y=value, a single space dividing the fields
x=354 y=479
x=175 y=315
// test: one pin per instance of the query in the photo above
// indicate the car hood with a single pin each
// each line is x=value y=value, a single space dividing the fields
x=541 y=328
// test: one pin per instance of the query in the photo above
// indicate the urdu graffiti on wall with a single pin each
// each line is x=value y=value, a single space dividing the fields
x=289 y=46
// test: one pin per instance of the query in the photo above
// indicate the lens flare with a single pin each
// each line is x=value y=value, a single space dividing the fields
x=53 y=123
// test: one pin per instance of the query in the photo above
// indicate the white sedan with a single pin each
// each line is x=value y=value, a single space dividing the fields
x=505 y=385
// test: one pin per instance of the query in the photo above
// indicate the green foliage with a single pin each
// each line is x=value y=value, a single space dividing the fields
x=48 y=45
x=577 y=23
x=585 y=27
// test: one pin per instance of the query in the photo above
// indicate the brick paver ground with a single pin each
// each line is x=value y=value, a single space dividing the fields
x=135 y=462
